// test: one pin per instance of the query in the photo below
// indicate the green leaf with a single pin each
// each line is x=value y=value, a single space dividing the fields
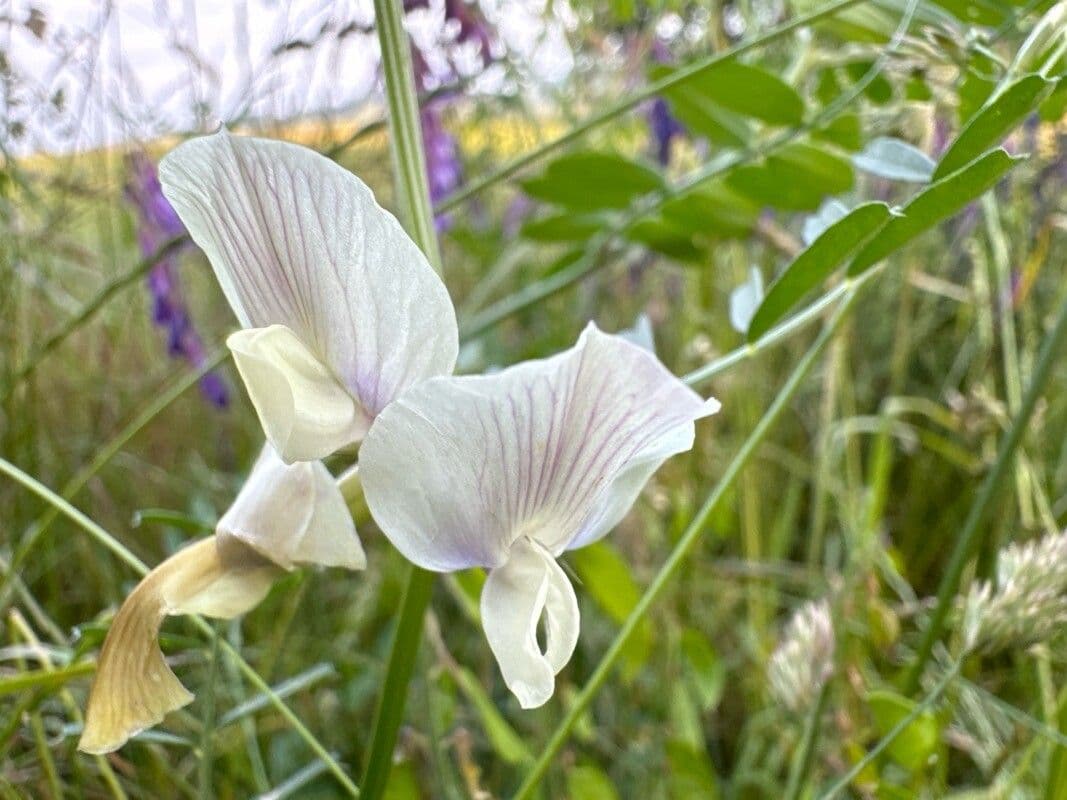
x=796 y=178
x=502 y=737
x=666 y=238
x=993 y=122
x=1054 y=106
x=879 y=91
x=894 y=159
x=742 y=89
x=843 y=130
x=592 y=181
x=690 y=773
x=918 y=742
x=714 y=211
x=815 y=264
x=563 y=228
x=403 y=783
x=706 y=670
x=588 y=782
x=935 y=203
x=606 y=578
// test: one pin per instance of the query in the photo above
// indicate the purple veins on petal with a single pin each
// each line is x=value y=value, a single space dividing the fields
x=158 y=223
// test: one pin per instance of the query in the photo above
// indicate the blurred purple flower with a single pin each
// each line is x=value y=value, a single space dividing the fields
x=158 y=224
x=662 y=124
x=443 y=167
x=664 y=128
x=472 y=25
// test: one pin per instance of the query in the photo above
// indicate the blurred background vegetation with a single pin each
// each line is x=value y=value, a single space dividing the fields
x=114 y=392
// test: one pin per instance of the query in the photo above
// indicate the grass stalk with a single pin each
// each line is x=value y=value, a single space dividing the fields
x=970 y=536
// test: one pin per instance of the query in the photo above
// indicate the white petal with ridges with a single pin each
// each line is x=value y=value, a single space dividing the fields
x=294 y=514
x=296 y=240
x=305 y=411
x=458 y=468
x=516 y=595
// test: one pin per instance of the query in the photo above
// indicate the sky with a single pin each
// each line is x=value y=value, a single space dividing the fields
x=90 y=72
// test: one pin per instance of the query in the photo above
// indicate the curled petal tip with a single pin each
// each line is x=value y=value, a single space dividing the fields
x=516 y=596
x=134 y=688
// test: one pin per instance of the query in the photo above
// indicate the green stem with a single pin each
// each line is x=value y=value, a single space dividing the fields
x=969 y=538
x=406 y=129
x=651 y=90
x=98 y=301
x=806 y=756
x=410 y=164
x=682 y=549
x=390 y=711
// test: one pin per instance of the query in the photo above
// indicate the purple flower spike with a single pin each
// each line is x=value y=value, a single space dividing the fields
x=158 y=224
x=443 y=167
x=664 y=128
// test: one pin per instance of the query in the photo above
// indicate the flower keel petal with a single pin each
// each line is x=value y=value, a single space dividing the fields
x=516 y=596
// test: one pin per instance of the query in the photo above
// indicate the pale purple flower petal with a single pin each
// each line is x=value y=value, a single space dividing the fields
x=299 y=242
x=457 y=469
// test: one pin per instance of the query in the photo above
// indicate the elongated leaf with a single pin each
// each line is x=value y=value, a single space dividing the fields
x=745 y=90
x=588 y=782
x=701 y=115
x=937 y=202
x=502 y=737
x=714 y=211
x=796 y=178
x=919 y=740
x=608 y=581
x=896 y=160
x=664 y=237
x=993 y=122
x=563 y=228
x=817 y=262
x=593 y=181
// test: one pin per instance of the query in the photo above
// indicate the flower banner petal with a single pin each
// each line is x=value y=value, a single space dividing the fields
x=515 y=597
x=297 y=240
x=305 y=411
x=294 y=514
x=134 y=688
x=458 y=468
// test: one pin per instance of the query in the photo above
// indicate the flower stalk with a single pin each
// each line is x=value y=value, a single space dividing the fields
x=414 y=194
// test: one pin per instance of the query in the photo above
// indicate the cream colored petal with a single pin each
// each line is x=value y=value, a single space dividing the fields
x=306 y=412
x=515 y=597
x=294 y=514
x=134 y=688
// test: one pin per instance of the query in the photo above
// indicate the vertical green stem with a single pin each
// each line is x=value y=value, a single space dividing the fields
x=798 y=776
x=410 y=163
x=405 y=140
x=968 y=540
x=682 y=549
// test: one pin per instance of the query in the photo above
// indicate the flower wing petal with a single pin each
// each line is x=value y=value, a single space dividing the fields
x=299 y=241
x=293 y=514
x=514 y=599
x=458 y=468
x=305 y=411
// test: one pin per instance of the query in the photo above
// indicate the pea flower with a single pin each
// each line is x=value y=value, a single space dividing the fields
x=284 y=516
x=339 y=308
x=508 y=471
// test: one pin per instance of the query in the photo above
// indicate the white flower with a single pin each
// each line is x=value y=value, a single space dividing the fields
x=284 y=515
x=508 y=471
x=804 y=659
x=340 y=310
